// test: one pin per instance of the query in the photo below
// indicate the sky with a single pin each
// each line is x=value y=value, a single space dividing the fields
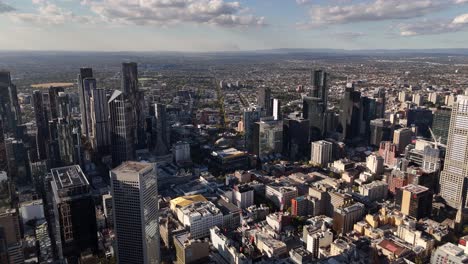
x=225 y=25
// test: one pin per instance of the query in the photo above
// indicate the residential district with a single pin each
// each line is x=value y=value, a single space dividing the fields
x=339 y=162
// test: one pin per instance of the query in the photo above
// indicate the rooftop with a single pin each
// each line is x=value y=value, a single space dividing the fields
x=132 y=167
x=415 y=189
x=69 y=177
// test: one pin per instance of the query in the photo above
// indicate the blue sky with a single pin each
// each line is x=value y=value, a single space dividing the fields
x=218 y=25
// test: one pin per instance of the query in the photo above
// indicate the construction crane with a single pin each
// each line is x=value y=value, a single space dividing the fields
x=436 y=142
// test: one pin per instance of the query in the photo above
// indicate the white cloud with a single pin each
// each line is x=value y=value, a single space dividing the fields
x=459 y=23
x=165 y=12
x=4 y=8
x=375 y=10
x=303 y=2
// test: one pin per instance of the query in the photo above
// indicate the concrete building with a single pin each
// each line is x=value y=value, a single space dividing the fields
x=318 y=237
x=181 y=152
x=375 y=164
x=11 y=251
x=414 y=200
x=190 y=250
x=199 y=217
x=280 y=194
x=243 y=196
x=269 y=246
x=345 y=217
x=380 y=130
x=401 y=138
x=135 y=209
x=225 y=248
x=305 y=205
x=321 y=153
x=74 y=213
x=453 y=179
x=389 y=152
x=375 y=191
x=449 y=253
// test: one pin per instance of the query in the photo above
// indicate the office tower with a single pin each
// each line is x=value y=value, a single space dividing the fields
x=75 y=228
x=181 y=152
x=351 y=113
x=42 y=124
x=414 y=201
x=401 y=138
x=264 y=99
x=10 y=237
x=432 y=159
x=276 y=109
x=375 y=164
x=369 y=109
x=129 y=86
x=296 y=139
x=420 y=118
x=162 y=129
x=389 y=152
x=345 y=217
x=135 y=209
x=313 y=109
x=18 y=162
x=268 y=138
x=250 y=116
x=453 y=179
x=380 y=130
x=84 y=93
x=321 y=153
x=379 y=95
x=320 y=86
x=3 y=155
x=127 y=117
x=441 y=124
x=99 y=116
x=9 y=106
x=305 y=205
x=449 y=253
x=53 y=93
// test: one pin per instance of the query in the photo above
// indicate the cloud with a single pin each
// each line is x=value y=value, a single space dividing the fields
x=349 y=35
x=376 y=10
x=425 y=27
x=166 y=12
x=4 y=8
x=303 y=2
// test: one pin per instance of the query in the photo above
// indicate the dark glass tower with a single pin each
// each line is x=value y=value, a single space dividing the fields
x=9 y=106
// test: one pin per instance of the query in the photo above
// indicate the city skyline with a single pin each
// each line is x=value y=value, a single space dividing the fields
x=221 y=25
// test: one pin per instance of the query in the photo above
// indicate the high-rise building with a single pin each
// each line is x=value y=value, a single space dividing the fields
x=320 y=85
x=42 y=124
x=276 y=109
x=389 y=152
x=414 y=201
x=74 y=214
x=250 y=116
x=380 y=130
x=162 y=129
x=321 y=152
x=401 y=138
x=10 y=237
x=453 y=179
x=264 y=99
x=3 y=154
x=375 y=164
x=351 y=113
x=135 y=211
x=421 y=118
x=296 y=139
x=314 y=110
x=85 y=84
x=441 y=123
x=99 y=116
x=9 y=105
x=344 y=218
x=268 y=138
x=449 y=253
x=126 y=110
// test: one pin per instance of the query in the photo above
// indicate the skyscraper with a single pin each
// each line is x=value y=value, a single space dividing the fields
x=276 y=109
x=422 y=119
x=351 y=113
x=42 y=124
x=268 y=138
x=321 y=152
x=296 y=138
x=99 y=116
x=453 y=179
x=9 y=106
x=250 y=116
x=135 y=210
x=440 y=124
x=162 y=129
x=313 y=109
x=320 y=85
x=84 y=92
x=264 y=99
x=74 y=215
x=414 y=201
x=127 y=122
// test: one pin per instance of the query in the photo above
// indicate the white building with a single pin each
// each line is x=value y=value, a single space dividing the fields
x=376 y=190
x=199 y=217
x=135 y=209
x=321 y=152
x=449 y=253
x=453 y=179
x=318 y=237
x=223 y=245
x=243 y=196
x=408 y=232
x=375 y=164
x=280 y=194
